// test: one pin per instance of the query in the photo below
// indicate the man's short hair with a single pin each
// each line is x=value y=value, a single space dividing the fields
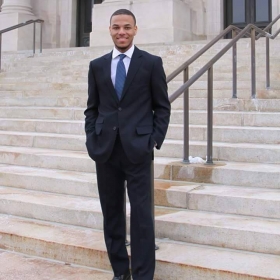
x=123 y=12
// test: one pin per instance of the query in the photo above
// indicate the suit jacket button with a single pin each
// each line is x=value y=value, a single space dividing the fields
x=114 y=128
x=119 y=108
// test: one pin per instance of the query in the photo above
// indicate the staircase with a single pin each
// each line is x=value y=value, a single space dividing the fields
x=217 y=221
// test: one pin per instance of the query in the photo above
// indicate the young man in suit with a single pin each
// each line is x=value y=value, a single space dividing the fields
x=127 y=116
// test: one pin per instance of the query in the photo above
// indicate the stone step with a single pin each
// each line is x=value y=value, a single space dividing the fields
x=44 y=98
x=222 y=101
x=224 y=151
x=15 y=266
x=79 y=66
x=231 y=104
x=174 y=194
x=55 y=113
x=86 y=247
x=258 y=202
x=262 y=93
x=46 y=158
x=44 y=86
x=179 y=224
x=227 y=173
x=78 y=98
x=198 y=99
x=239 y=134
x=167 y=49
x=229 y=118
x=49 y=180
x=256 y=175
x=79 y=73
x=240 y=152
x=78 y=69
x=197 y=117
x=233 y=134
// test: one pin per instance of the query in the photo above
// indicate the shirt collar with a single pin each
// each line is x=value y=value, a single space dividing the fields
x=128 y=53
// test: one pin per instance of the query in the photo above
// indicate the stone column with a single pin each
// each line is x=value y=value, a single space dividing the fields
x=17 y=6
x=158 y=21
x=275 y=12
x=14 y=12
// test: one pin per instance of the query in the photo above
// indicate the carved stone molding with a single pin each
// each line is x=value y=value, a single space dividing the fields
x=17 y=6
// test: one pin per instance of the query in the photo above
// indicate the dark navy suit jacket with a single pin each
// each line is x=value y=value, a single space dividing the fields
x=140 y=117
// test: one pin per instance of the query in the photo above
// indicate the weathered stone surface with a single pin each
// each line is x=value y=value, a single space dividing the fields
x=49 y=182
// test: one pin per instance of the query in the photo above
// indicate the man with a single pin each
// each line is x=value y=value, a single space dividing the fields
x=127 y=116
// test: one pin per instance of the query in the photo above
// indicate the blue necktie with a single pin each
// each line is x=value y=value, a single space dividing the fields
x=120 y=76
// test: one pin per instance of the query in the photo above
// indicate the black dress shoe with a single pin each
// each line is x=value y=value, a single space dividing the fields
x=126 y=276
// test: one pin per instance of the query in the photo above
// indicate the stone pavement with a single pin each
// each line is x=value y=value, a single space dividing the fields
x=20 y=267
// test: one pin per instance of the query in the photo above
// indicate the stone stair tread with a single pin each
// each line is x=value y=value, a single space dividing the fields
x=48 y=173
x=230 y=127
x=16 y=266
x=225 y=144
x=258 y=167
x=250 y=201
x=59 y=201
x=42 y=120
x=233 y=191
x=42 y=108
x=184 y=255
x=218 y=190
x=174 y=216
x=42 y=151
x=27 y=133
x=167 y=141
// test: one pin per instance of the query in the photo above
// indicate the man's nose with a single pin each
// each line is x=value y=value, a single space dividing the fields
x=121 y=31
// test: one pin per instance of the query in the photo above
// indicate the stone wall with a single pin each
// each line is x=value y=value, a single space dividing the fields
x=159 y=21
x=59 y=29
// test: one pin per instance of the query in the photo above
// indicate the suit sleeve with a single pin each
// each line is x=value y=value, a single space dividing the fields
x=91 y=113
x=160 y=103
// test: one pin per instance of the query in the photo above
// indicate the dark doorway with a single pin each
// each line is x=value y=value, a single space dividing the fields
x=84 y=23
x=242 y=12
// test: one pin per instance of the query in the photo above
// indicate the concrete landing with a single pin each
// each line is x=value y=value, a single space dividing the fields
x=15 y=266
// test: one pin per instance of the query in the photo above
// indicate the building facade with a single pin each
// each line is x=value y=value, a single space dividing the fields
x=74 y=23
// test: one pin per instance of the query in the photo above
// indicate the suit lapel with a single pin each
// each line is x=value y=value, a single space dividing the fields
x=107 y=74
x=134 y=66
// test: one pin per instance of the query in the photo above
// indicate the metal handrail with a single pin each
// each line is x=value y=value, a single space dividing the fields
x=237 y=34
x=21 y=25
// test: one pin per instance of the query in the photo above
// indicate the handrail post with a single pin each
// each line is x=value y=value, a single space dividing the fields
x=0 y=50
x=267 y=63
x=210 y=117
x=186 y=118
x=253 y=62
x=234 y=67
x=41 y=37
x=34 y=37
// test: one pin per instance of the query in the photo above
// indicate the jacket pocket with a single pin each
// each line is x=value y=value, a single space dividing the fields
x=100 y=120
x=146 y=129
x=98 y=125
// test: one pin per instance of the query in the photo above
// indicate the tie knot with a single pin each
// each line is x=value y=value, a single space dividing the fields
x=122 y=56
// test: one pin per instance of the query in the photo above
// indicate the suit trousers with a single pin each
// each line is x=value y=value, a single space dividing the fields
x=111 y=177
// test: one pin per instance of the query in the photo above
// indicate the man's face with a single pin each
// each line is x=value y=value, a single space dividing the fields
x=122 y=30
